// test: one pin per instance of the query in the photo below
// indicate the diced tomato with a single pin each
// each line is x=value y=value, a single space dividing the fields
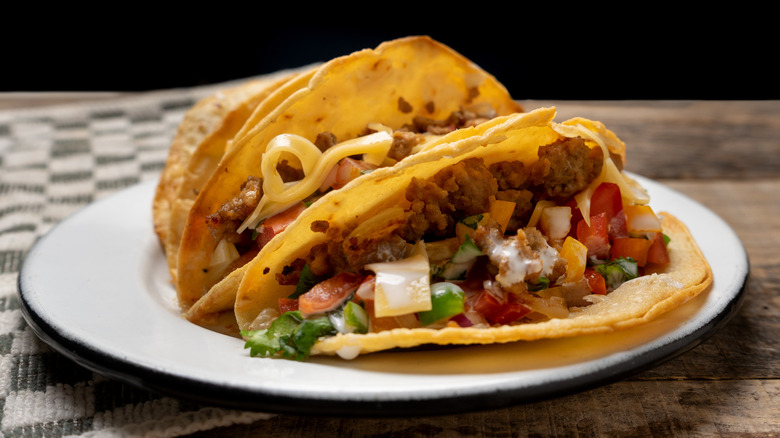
x=264 y=235
x=595 y=236
x=606 y=199
x=596 y=282
x=348 y=170
x=510 y=312
x=634 y=247
x=496 y=311
x=277 y=223
x=486 y=303
x=329 y=294
x=287 y=304
x=658 y=253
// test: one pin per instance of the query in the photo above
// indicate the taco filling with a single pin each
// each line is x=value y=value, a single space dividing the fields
x=476 y=245
x=295 y=172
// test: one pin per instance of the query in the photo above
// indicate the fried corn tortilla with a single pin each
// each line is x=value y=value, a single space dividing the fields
x=567 y=164
x=201 y=139
x=362 y=96
x=634 y=303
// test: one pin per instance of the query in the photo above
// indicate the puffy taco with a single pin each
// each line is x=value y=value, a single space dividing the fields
x=534 y=232
x=367 y=110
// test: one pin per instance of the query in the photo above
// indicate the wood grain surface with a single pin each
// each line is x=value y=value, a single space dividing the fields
x=725 y=155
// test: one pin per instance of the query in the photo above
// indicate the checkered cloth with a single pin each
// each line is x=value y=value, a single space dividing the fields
x=53 y=162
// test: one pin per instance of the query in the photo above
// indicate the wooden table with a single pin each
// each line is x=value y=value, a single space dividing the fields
x=725 y=155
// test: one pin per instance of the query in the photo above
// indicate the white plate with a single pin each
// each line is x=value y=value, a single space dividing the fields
x=96 y=289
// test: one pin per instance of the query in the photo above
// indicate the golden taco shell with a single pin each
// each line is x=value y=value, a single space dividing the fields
x=520 y=138
x=390 y=85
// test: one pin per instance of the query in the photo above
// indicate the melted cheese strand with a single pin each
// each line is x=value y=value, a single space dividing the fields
x=278 y=195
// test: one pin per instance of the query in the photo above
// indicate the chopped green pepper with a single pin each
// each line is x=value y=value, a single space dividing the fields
x=472 y=221
x=460 y=262
x=447 y=300
x=355 y=318
x=541 y=284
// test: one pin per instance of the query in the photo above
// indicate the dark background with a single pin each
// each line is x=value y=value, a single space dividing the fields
x=555 y=53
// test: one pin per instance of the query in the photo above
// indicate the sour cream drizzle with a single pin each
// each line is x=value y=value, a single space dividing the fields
x=514 y=265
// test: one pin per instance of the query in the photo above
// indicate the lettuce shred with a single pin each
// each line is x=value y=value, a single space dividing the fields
x=290 y=336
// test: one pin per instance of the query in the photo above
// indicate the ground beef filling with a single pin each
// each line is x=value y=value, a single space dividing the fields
x=411 y=135
x=564 y=168
x=453 y=193
x=467 y=188
x=224 y=222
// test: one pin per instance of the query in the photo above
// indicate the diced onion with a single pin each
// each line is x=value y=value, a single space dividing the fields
x=642 y=219
x=264 y=319
x=224 y=254
x=555 y=222
x=537 y=213
x=552 y=307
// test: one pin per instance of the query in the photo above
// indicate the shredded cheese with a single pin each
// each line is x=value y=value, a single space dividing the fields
x=402 y=286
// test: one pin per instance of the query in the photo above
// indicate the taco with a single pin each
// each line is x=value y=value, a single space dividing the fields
x=529 y=231
x=201 y=139
x=367 y=110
